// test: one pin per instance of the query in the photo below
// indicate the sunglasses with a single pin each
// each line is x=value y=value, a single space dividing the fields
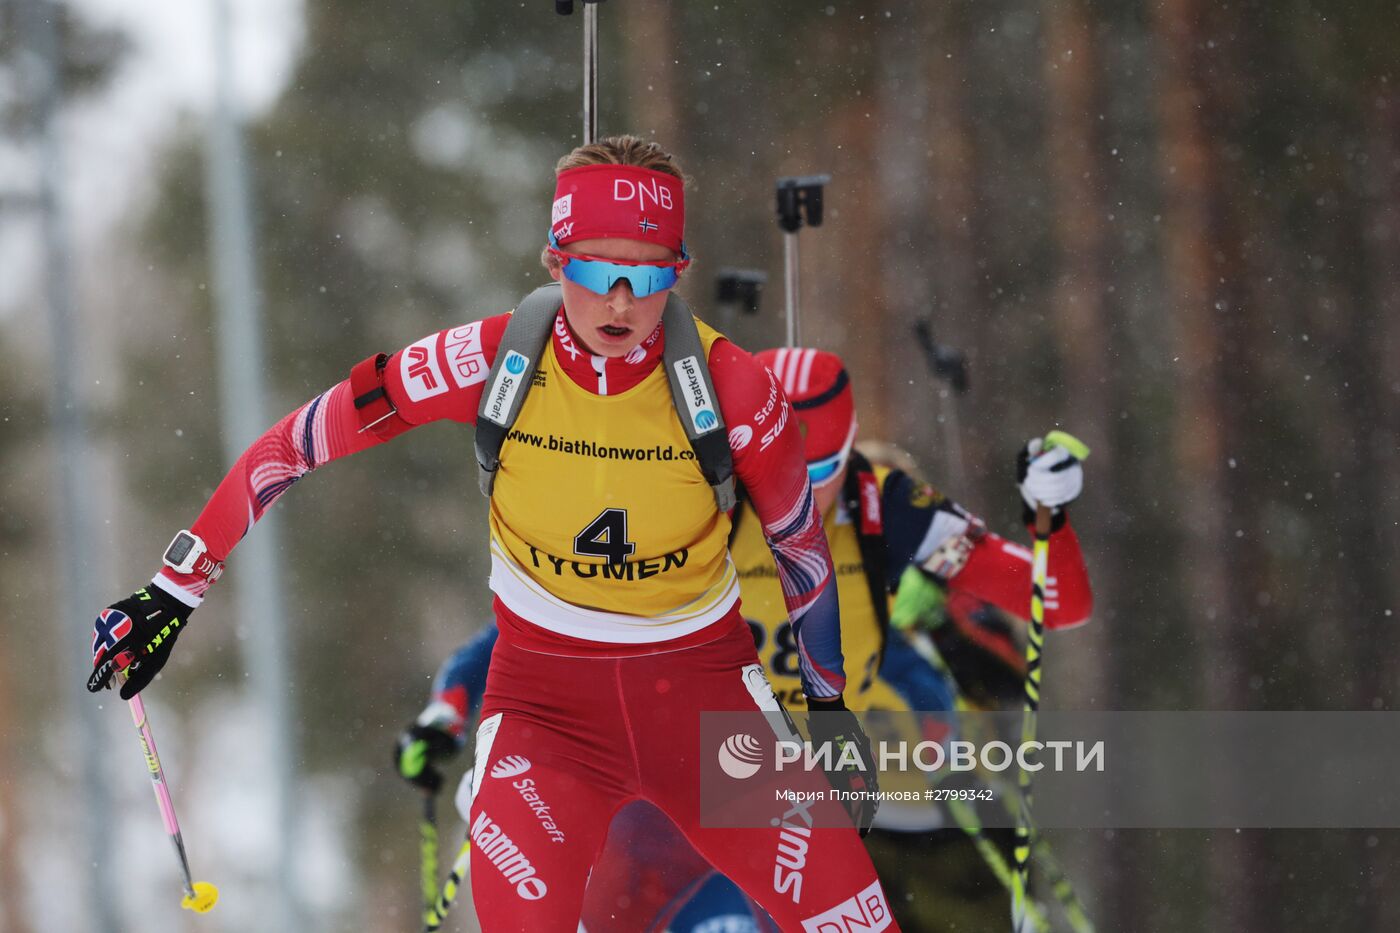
x=824 y=469
x=819 y=471
x=600 y=275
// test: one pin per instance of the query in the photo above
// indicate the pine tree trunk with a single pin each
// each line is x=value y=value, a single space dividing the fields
x=1197 y=242
x=1082 y=334
x=952 y=208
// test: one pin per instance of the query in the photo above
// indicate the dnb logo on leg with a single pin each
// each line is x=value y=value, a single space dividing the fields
x=867 y=912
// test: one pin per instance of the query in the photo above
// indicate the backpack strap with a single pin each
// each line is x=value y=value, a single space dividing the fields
x=692 y=389
x=511 y=374
x=862 y=497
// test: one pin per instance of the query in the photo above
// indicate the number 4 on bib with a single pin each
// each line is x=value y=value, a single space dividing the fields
x=606 y=536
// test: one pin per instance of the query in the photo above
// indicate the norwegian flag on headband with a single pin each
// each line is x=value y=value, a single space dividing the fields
x=598 y=201
x=111 y=627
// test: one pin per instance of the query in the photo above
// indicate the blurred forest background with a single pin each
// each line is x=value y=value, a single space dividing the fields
x=1170 y=226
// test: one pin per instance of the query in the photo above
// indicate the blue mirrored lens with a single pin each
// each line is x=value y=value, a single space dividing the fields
x=599 y=277
x=824 y=469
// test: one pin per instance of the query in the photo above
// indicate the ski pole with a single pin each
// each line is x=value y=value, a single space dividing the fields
x=1035 y=649
x=590 y=63
x=1049 y=865
x=428 y=851
x=437 y=913
x=964 y=814
x=200 y=896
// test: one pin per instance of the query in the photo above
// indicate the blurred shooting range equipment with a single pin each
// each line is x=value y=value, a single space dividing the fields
x=799 y=199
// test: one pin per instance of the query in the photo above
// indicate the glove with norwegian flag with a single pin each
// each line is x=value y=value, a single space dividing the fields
x=135 y=635
x=855 y=775
x=1051 y=476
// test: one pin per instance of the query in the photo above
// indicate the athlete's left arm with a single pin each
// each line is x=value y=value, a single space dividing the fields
x=768 y=460
x=922 y=525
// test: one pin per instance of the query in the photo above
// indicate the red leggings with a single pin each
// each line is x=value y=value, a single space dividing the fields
x=565 y=741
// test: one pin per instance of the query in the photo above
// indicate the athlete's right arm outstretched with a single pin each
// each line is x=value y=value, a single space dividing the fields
x=439 y=377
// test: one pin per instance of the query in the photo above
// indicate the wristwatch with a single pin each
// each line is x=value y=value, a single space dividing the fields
x=188 y=554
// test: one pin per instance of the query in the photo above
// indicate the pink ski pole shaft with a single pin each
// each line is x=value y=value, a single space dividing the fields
x=199 y=896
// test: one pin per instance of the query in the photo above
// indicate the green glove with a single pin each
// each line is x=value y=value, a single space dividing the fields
x=919 y=601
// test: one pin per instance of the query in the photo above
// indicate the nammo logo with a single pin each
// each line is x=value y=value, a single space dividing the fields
x=510 y=766
x=705 y=419
x=515 y=363
x=501 y=851
x=740 y=756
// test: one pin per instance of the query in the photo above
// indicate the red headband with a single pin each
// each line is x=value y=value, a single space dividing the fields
x=622 y=201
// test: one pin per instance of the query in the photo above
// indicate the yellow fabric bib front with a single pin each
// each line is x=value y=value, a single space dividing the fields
x=602 y=525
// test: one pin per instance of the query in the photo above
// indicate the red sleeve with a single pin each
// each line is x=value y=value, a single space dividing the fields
x=768 y=460
x=999 y=572
x=438 y=377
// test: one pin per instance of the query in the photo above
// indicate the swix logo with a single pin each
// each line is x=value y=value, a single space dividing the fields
x=794 y=835
x=419 y=370
x=566 y=339
x=563 y=231
x=464 y=357
x=492 y=842
x=867 y=911
x=510 y=766
x=643 y=191
x=772 y=433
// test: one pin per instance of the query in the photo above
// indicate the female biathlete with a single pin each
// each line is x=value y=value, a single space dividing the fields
x=880 y=522
x=615 y=596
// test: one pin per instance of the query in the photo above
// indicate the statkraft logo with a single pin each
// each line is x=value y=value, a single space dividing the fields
x=510 y=766
x=507 y=383
x=739 y=437
x=702 y=408
x=740 y=756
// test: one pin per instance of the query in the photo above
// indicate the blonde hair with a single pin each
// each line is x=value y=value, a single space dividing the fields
x=616 y=150
x=622 y=150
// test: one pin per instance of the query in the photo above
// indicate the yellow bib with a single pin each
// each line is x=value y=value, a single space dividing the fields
x=602 y=526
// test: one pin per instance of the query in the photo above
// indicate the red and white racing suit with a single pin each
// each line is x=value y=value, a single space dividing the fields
x=573 y=727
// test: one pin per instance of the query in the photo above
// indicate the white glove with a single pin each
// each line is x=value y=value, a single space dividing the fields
x=1051 y=477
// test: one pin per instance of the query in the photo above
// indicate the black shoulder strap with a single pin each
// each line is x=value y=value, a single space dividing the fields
x=692 y=389
x=512 y=371
x=873 y=550
x=687 y=372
